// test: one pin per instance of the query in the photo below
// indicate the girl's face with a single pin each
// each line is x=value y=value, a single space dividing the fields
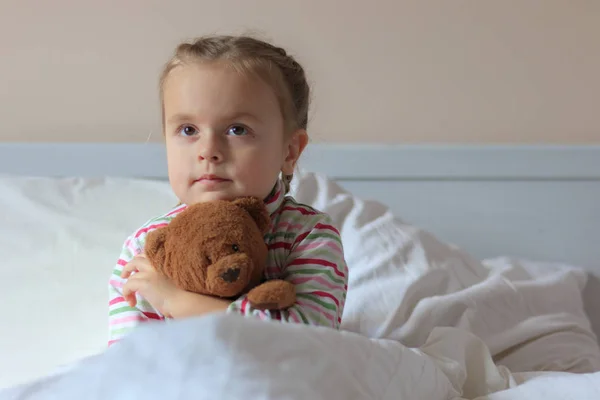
x=224 y=134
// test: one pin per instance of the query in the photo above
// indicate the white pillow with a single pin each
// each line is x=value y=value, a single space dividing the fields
x=403 y=281
x=59 y=241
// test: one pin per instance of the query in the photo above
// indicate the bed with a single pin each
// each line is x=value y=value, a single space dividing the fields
x=474 y=274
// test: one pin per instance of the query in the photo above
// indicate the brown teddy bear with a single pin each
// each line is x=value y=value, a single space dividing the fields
x=217 y=248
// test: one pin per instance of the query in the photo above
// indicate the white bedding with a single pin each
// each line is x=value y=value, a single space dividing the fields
x=229 y=357
x=497 y=320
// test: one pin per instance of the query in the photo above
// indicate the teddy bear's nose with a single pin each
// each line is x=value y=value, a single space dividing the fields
x=231 y=275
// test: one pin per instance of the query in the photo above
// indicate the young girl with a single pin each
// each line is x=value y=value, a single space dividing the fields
x=235 y=113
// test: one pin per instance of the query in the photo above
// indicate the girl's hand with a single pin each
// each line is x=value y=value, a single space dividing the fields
x=153 y=286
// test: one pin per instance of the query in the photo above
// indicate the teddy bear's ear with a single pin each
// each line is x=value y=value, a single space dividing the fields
x=257 y=210
x=155 y=247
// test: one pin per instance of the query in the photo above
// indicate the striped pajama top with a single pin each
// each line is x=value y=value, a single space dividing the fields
x=304 y=249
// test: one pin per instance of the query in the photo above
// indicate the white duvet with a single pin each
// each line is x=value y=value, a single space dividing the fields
x=230 y=357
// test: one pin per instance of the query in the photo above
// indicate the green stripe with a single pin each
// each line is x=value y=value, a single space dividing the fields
x=278 y=234
x=293 y=235
x=312 y=271
x=312 y=298
x=121 y=310
x=332 y=236
x=307 y=287
x=304 y=319
x=117 y=272
x=126 y=254
x=120 y=331
x=287 y=236
x=320 y=252
x=159 y=220
x=143 y=303
x=319 y=319
x=305 y=206
x=298 y=217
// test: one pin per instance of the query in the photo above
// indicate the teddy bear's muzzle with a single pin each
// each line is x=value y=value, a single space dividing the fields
x=230 y=275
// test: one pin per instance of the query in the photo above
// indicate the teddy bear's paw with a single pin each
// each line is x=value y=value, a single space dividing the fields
x=273 y=295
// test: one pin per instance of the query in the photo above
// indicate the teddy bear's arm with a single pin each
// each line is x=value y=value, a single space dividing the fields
x=315 y=266
x=273 y=295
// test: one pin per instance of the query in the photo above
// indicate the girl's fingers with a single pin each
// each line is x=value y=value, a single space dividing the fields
x=129 y=291
x=139 y=263
x=131 y=300
x=128 y=269
x=142 y=263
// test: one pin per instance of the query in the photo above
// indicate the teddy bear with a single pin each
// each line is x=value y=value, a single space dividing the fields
x=217 y=248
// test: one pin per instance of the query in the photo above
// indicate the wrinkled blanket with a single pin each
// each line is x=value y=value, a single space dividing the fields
x=231 y=357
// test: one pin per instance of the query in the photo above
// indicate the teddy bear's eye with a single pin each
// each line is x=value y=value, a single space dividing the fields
x=235 y=247
x=209 y=259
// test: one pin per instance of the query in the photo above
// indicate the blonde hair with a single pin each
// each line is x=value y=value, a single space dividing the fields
x=252 y=56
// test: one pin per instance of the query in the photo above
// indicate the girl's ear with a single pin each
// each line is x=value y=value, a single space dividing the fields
x=257 y=210
x=294 y=147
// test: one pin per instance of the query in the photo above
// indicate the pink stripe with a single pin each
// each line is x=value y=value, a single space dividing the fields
x=301 y=237
x=130 y=318
x=327 y=295
x=301 y=210
x=274 y=199
x=317 y=261
x=122 y=262
x=280 y=245
x=150 y=228
x=317 y=309
x=288 y=225
x=111 y=342
x=293 y=316
x=328 y=227
x=316 y=244
x=115 y=283
x=275 y=315
x=178 y=209
x=151 y=315
x=244 y=306
x=116 y=300
x=318 y=279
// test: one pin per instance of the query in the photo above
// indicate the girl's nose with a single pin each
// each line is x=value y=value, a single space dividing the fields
x=210 y=149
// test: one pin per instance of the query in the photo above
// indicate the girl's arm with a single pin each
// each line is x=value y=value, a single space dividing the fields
x=317 y=268
x=188 y=304
x=122 y=318
x=149 y=295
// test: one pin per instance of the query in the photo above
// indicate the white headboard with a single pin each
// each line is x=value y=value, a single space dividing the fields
x=538 y=202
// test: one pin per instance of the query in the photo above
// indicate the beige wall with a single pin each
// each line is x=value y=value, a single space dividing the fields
x=382 y=70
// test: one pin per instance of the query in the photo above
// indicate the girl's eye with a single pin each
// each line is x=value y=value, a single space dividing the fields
x=187 y=130
x=237 y=130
